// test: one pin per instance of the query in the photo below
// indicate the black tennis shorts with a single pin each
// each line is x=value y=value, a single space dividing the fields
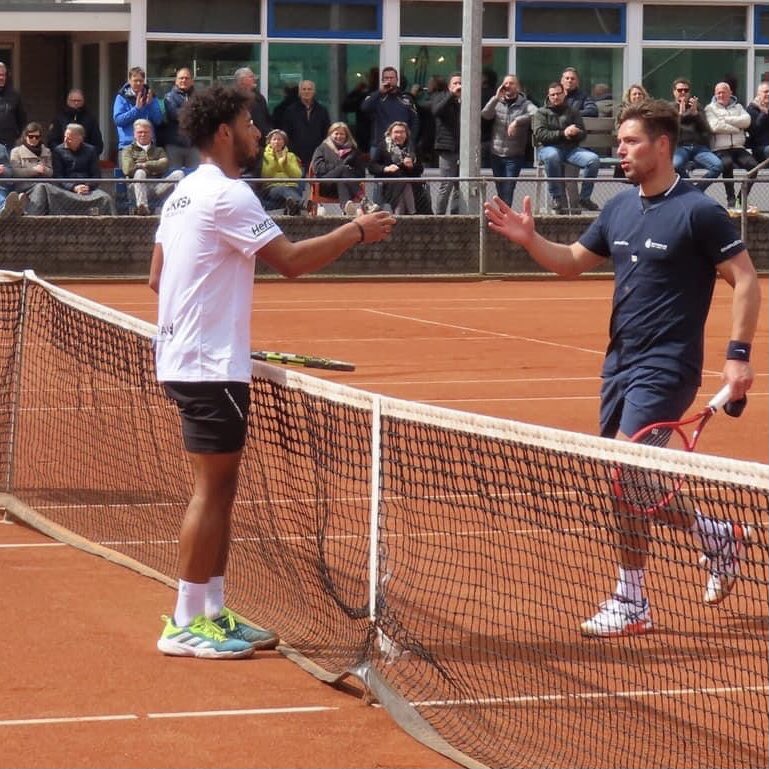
x=214 y=414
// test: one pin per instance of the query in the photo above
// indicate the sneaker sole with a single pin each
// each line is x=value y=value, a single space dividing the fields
x=173 y=649
x=636 y=628
x=743 y=541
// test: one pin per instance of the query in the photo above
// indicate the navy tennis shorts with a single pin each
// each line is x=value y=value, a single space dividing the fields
x=635 y=398
x=214 y=414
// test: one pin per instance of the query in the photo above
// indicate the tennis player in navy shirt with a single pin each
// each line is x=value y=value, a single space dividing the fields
x=668 y=241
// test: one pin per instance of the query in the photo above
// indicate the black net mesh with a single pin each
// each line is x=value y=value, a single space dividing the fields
x=493 y=542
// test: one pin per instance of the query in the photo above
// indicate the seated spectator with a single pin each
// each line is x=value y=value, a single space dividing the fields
x=758 y=110
x=76 y=161
x=134 y=100
x=75 y=111
x=32 y=162
x=728 y=122
x=143 y=160
x=180 y=153
x=558 y=129
x=281 y=164
x=11 y=203
x=394 y=158
x=694 y=135
x=604 y=99
x=338 y=157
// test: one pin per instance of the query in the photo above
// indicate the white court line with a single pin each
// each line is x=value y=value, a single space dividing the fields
x=31 y=544
x=639 y=694
x=498 y=334
x=180 y=714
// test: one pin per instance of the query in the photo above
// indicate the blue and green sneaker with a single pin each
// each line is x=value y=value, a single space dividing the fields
x=235 y=629
x=202 y=638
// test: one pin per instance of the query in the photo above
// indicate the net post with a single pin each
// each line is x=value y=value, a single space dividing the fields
x=376 y=456
x=27 y=276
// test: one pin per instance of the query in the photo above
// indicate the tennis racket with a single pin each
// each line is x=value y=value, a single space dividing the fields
x=645 y=490
x=305 y=361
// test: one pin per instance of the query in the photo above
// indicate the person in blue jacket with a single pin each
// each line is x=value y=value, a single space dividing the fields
x=134 y=100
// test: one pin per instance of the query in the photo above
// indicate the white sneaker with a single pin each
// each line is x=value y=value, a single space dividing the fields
x=724 y=565
x=617 y=617
x=14 y=205
x=351 y=208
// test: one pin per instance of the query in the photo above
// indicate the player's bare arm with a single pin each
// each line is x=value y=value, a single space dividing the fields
x=156 y=267
x=746 y=302
x=565 y=260
x=294 y=259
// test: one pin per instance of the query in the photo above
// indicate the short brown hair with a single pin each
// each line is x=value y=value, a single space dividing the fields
x=659 y=118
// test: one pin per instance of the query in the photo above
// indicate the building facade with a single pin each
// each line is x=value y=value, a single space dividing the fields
x=341 y=44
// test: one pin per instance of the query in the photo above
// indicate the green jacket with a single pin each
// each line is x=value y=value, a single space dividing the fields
x=154 y=159
x=282 y=168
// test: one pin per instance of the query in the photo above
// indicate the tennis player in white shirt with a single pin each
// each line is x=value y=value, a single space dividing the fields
x=211 y=231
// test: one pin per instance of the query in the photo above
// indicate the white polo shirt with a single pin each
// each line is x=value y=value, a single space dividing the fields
x=210 y=230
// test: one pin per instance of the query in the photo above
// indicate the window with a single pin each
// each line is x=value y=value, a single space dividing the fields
x=704 y=68
x=694 y=22
x=569 y=22
x=325 y=18
x=209 y=62
x=423 y=18
x=761 y=17
x=760 y=69
x=538 y=67
x=422 y=63
x=235 y=17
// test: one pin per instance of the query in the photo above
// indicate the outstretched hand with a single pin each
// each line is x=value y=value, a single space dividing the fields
x=517 y=227
x=376 y=226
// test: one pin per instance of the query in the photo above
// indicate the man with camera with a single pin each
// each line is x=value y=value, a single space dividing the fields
x=693 y=135
x=390 y=105
x=135 y=100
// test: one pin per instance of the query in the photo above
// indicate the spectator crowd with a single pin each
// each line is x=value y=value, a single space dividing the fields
x=396 y=133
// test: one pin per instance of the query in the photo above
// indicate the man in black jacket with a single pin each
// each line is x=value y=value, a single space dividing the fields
x=306 y=122
x=75 y=111
x=446 y=108
x=576 y=98
x=181 y=154
x=13 y=118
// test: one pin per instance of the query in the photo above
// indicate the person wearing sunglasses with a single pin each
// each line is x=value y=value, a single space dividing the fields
x=31 y=163
x=693 y=137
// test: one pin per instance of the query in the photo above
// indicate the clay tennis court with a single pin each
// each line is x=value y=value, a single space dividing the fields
x=85 y=685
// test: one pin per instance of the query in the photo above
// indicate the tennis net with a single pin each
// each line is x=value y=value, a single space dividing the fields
x=445 y=558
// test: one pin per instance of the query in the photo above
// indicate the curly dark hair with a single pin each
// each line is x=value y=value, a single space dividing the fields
x=202 y=115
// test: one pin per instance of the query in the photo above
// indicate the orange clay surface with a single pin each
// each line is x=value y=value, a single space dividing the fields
x=81 y=683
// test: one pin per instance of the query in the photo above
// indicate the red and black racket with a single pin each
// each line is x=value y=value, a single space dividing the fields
x=645 y=490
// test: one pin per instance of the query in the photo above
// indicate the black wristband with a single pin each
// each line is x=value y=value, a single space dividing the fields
x=736 y=350
x=362 y=233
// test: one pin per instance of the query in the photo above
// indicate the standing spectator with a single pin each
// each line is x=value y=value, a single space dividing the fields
x=338 y=157
x=389 y=105
x=134 y=100
x=354 y=101
x=290 y=96
x=693 y=135
x=488 y=89
x=181 y=154
x=77 y=161
x=32 y=162
x=306 y=123
x=75 y=111
x=11 y=203
x=558 y=129
x=575 y=98
x=394 y=158
x=12 y=115
x=283 y=167
x=509 y=112
x=142 y=160
x=728 y=122
x=446 y=108
x=758 y=110
x=246 y=81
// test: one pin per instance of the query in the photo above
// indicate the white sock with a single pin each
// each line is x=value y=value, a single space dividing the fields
x=710 y=531
x=214 y=597
x=190 y=602
x=630 y=585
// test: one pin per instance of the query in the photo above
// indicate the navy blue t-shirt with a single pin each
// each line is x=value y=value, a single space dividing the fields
x=665 y=250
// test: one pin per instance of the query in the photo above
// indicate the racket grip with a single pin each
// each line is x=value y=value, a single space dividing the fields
x=720 y=398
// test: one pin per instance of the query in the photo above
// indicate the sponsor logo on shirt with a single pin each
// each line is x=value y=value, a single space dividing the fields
x=659 y=246
x=734 y=243
x=177 y=205
x=166 y=330
x=261 y=227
